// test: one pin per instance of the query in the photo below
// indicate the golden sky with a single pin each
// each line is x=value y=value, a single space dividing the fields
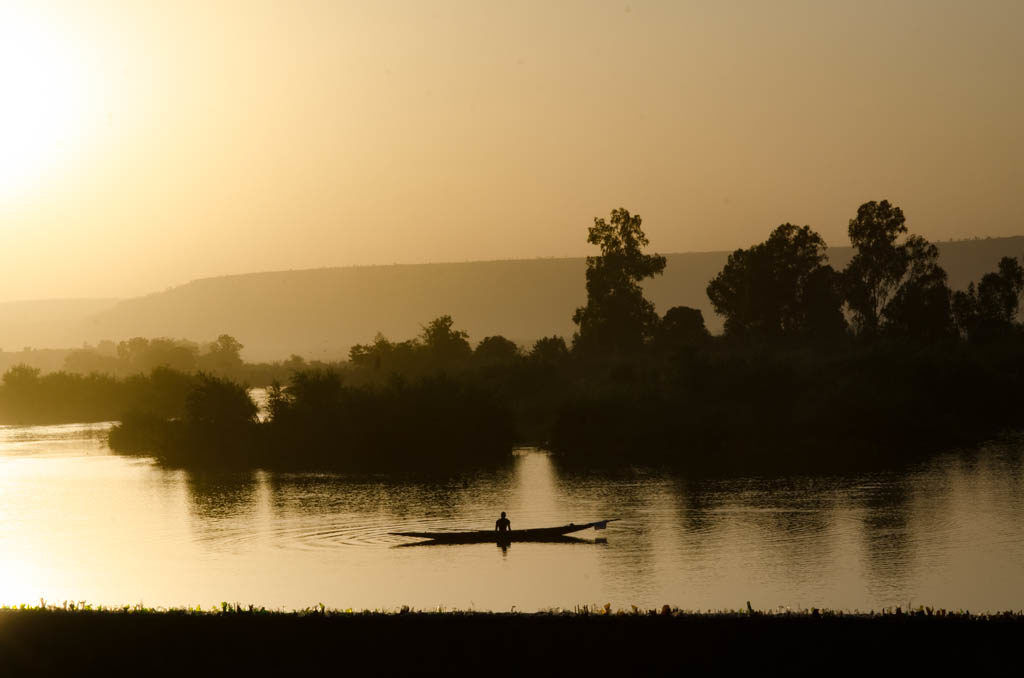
x=144 y=143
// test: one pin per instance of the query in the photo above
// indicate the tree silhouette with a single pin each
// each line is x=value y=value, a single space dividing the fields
x=921 y=307
x=682 y=326
x=617 y=317
x=373 y=355
x=877 y=268
x=139 y=354
x=444 y=344
x=895 y=286
x=219 y=403
x=780 y=288
x=999 y=293
x=496 y=350
x=21 y=376
x=990 y=308
x=549 y=351
x=225 y=354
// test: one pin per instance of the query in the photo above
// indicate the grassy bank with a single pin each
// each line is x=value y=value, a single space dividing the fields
x=251 y=640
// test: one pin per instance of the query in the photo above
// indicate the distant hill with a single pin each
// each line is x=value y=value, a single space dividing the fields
x=320 y=313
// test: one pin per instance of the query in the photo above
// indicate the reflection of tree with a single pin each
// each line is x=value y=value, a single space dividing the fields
x=779 y=527
x=633 y=496
x=612 y=493
x=220 y=496
x=401 y=499
x=696 y=502
x=887 y=536
x=796 y=516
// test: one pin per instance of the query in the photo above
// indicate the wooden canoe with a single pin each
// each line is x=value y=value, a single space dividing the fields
x=537 y=534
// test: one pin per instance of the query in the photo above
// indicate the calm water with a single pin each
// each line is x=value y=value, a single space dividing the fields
x=77 y=523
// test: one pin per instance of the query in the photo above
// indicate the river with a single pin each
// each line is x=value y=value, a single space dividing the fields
x=79 y=523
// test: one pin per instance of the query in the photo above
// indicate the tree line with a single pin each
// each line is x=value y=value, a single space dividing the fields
x=784 y=289
x=141 y=355
x=873 y=364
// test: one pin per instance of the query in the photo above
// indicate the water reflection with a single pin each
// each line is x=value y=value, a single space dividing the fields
x=797 y=516
x=886 y=533
x=78 y=523
x=215 y=497
x=696 y=505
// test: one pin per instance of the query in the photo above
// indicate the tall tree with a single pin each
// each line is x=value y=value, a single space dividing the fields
x=617 y=317
x=782 y=287
x=877 y=268
x=893 y=285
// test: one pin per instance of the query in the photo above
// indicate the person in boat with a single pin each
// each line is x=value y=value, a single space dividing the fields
x=503 y=524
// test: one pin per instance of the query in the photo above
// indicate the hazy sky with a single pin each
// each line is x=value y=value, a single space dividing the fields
x=145 y=143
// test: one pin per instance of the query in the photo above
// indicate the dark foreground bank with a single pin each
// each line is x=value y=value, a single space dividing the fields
x=59 y=641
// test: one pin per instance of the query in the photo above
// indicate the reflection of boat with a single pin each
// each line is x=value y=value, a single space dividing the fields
x=549 y=534
x=503 y=543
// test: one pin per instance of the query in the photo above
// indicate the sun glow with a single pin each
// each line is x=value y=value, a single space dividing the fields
x=44 y=99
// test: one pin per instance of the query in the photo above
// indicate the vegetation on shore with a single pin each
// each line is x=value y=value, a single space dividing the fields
x=105 y=382
x=225 y=608
x=431 y=423
x=221 y=357
x=249 y=639
x=28 y=397
x=817 y=369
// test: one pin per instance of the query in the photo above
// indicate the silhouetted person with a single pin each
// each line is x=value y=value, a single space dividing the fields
x=503 y=524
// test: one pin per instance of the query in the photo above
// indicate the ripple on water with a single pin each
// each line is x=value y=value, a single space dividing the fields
x=306 y=535
x=117 y=526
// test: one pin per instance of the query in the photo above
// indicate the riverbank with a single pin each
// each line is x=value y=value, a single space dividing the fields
x=242 y=640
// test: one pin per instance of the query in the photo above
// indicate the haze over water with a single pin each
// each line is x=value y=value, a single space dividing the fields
x=78 y=523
